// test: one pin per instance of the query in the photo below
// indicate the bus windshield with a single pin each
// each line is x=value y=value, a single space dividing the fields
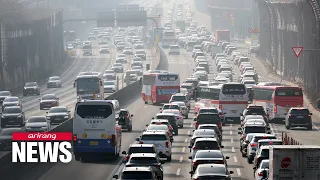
x=208 y=93
x=234 y=89
x=94 y=111
x=88 y=85
x=288 y=92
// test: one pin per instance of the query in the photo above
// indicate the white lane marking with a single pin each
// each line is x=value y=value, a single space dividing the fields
x=191 y=125
x=189 y=132
x=315 y=127
x=272 y=129
x=178 y=172
x=235 y=159
x=186 y=140
x=231 y=140
x=230 y=132
x=181 y=159
x=233 y=150
x=183 y=149
x=238 y=172
x=230 y=125
x=145 y=106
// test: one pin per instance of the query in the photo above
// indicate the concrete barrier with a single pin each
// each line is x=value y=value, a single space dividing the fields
x=125 y=96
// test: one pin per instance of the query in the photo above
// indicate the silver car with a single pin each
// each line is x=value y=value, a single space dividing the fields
x=184 y=109
x=37 y=124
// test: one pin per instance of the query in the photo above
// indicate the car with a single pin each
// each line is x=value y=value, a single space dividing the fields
x=137 y=63
x=244 y=144
x=58 y=114
x=172 y=118
x=12 y=115
x=199 y=133
x=180 y=97
x=48 y=101
x=127 y=50
x=204 y=143
x=139 y=148
x=147 y=159
x=250 y=117
x=124 y=119
x=109 y=86
x=142 y=172
x=121 y=60
x=117 y=68
x=261 y=172
x=254 y=110
x=208 y=118
x=161 y=127
x=6 y=138
x=160 y=139
x=141 y=53
x=121 y=46
x=11 y=101
x=174 y=49
x=213 y=127
x=178 y=115
x=104 y=50
x=170 y=106
x=298 y=117
x=133 y=78
x=211 y=110
x=162 y=122
x=138 y=70
x=3 y=95
x=262 y=153
x=212 y=171
x=252 y=127
x=253 y=145
x=54 y=82
x=37 y=124
x=208 y=156
x=31 y=88
x=184 y=109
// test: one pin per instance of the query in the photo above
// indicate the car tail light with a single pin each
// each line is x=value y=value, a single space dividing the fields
x=195 y=163
x=289 y=115
x=197 y=124
x=253 y=145
x=127 y=117
x=220 y=107
x=260 y=174
x=140 y=142
x=127 y=158
x=170 y=128
x=158 y=165
x=243 y=136
x=265 y=116
x=220 y=125
x=275 y=108
x=113 y=140
x=309 y=115
x=194 y=147
x=75 y=138
x=167 y=144
x=160 y=111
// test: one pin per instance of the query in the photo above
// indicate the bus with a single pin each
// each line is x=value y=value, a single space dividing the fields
x=158 y=87
x=89 y=87
x=230 y=98
x=95 y=131
x=168 y=38
x=87 y=49
x=277 y=100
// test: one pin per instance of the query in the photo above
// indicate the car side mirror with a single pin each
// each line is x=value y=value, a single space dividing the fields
x=69 y=111
x=116 y=176
x=131 y=115
x=268 y=128
x=160 y=108
x=190 y=147
x=152 y=118
x=137 y=139
x=310 y=113
x=194 y=119
x=147 y=125
x=190 y=172
x=239 y=132
x=39 y=99
x=74 y=85
x=227 y=157
x=222 y=146
x=239 y=128
x=246 y=141
x=190 y=157
x=231 y=172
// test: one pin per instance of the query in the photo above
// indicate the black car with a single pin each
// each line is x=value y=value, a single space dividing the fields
x=209 y=118
x=58 y=114
x=31 y=88
x=125 y=119
x=12 y=115
x=298 y=117
x=3 y=95
x=48 y=101
x=139 y=148
x=147 y=159
x=6 y=138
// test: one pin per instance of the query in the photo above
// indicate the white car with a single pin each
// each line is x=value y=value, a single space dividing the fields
x=264 y=165
x=109 y=86
x=37 y=124
x=174 y=49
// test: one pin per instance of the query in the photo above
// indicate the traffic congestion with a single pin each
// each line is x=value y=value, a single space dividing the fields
x=210 y=115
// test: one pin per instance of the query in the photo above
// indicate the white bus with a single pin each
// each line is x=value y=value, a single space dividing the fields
x=89 y=87
x=168 y=38
x=95 y=131
x=231 y=98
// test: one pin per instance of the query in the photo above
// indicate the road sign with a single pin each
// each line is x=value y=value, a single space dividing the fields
x=106 y=19
x=285 y=162
x=297 y=51
x=131 y=18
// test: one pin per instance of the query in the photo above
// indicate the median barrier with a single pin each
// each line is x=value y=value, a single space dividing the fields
x=125 y=96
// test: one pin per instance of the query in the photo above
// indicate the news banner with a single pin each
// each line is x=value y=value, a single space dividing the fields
x=41 y=147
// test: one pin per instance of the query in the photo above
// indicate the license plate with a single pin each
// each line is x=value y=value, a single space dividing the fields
x=11 y=121
x=58 y=119
x=234 y=111
x=299 y=116
x=94 y=143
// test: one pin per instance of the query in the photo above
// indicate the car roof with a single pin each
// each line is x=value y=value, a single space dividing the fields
x=207 y=125
x=165 y=114
x=254 y=124
x=141 y=145
x=155 y=132
x=143 y=155
x=268 y=140
x=206 y=139
x=264 y=135
x=159 y=120
x=142 y=168
x=208 y=108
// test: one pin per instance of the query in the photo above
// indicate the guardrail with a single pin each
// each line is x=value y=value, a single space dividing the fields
x=127 y=95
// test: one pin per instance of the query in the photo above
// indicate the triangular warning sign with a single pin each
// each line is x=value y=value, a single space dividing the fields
x=297 y=51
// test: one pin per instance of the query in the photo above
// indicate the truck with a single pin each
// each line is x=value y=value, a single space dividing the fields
x=294 y=162
x=222 y=35
x=168 y=38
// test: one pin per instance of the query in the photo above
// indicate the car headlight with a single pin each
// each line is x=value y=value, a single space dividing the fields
x=48 y=117
x=19 y=116
x=66 y=117
x=25 y=88
x=34 y=88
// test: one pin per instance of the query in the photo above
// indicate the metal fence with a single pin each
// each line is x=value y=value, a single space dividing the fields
x=286 y=24
x=30 y=50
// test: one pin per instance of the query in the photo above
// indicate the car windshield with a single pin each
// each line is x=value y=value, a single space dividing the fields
x=209 y=154
x=8 y=132
x=212 y=170
x=53 y=78
x=109 y=83
x=48 y=97
x=109 y=72
x=264 y=165
x=176 y=112
x=11 y=110
x=158 y=127
x=207 y=145
x=58 y=110
x=208 y=111
x=4 y=93
x=170 y=107
x=204 y=132
x=154 y=137
x=143 y=160
x=11 y=99
x=141 y=150
x=136 y=175
x=31 y=84
x=255 y=129
x=264 y=153
x=208 y=118
x=255 y=111
x=299 y=111
x=178 y=98
x=37 y=119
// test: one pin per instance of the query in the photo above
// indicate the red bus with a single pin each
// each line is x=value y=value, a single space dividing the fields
x=158 y=86
x=277 y=100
